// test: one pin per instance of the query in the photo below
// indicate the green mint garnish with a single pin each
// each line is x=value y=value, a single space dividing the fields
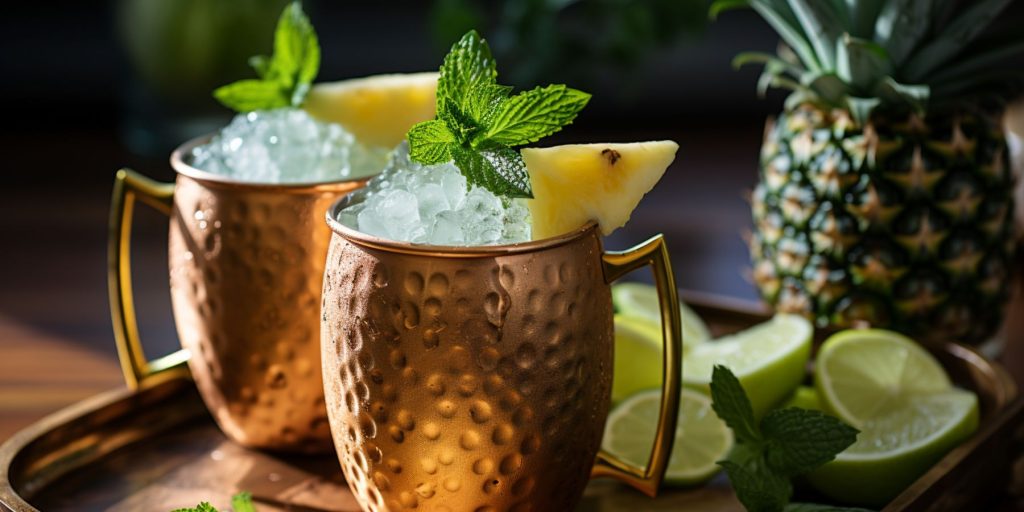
x=241 y=502
x=479 y=121
x=284 y=78
x=787 y=442
x=202 y=507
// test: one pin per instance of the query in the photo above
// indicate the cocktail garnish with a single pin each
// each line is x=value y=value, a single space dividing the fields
x=241 y=502
x=479 y=121
x=285 y=77
x=786 y=443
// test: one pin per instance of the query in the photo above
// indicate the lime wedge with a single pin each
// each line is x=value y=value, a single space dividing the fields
x=769 y=359
x=637 y=357
x=701 y=437
x=640 y=301
x=805 y=397
x=901 y=400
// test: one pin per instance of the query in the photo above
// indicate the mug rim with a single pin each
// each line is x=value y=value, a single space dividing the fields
x=447 y=251
x=181 y=167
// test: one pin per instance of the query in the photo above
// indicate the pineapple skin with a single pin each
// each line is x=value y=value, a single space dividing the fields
x=905 y=223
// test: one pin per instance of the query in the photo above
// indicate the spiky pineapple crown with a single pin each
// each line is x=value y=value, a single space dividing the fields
x=863 y=55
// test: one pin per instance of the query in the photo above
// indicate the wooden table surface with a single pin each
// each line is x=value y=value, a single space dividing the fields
x=56 y=345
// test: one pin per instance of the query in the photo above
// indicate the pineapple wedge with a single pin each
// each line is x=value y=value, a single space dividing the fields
x=577 y=183
x=379 y=109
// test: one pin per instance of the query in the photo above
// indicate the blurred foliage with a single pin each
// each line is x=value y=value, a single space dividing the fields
x=569 y=41
x=183 y=49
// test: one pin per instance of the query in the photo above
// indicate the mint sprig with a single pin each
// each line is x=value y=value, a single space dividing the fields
x=241 y=502
x=286 y=76
x=479 y=121
x=786 y=443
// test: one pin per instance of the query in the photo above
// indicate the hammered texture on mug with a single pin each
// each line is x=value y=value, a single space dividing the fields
x=467 y=384
x=246 y=267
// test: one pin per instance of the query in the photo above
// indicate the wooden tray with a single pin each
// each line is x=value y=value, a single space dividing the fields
x=157 y=449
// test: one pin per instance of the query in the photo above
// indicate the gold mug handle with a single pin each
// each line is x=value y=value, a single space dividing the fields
x=138 y=371
x=616 y=264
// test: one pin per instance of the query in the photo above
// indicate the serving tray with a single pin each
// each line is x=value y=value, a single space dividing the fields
x=157 y=449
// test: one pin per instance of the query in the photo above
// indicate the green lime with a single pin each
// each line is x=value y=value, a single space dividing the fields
x=701 y=437
x=805 y=397
x=901 y=400
x=637 y=357
x=640 y=301
x=768 y=358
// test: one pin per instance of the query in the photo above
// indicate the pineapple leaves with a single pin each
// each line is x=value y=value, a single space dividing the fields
x=822 y=27
x=980 y=60
x=774 y=67
x=829 y=87
x=862 y=16
x=915 y=96
x=782 y=19
x=861 y=63
x=900 y=27
x=720 y=6
x=953 y=38
x=899 y=54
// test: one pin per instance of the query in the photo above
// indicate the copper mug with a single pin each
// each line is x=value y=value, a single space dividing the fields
x=246 y=266
x=478 y=378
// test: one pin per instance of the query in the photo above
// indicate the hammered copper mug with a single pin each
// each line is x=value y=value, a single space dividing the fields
x=246 y=265
x=478 y=378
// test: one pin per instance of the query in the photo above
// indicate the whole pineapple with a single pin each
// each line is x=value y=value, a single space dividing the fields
x=885 y=194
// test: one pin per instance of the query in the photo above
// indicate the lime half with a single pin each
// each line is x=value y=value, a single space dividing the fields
x=769 y=359
x=701 y=437
x=640 y=301
x=901 y=400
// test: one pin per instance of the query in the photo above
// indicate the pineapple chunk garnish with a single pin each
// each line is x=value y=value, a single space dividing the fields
x=577 y=183
x=379 y=109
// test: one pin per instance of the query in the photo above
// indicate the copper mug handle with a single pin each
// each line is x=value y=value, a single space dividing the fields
x=616 y=264
x=138 y=370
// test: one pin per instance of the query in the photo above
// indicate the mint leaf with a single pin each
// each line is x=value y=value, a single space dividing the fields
x=757 y=487
x=249 y=95
x=501 y=171
x=260 y=64
x=431 y=142
x=477 y=122
x=814 y=507
x=485 y=100
x=532 y=115
x=459 y=122
x=287 y=75
x=202 y=507
x=731 y=404
x=296 y=59
x=468 y=63
x=242 y=502
x=296 y=48
x=799 y=440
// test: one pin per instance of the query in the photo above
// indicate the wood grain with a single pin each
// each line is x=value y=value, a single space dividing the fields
x=40 y=373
